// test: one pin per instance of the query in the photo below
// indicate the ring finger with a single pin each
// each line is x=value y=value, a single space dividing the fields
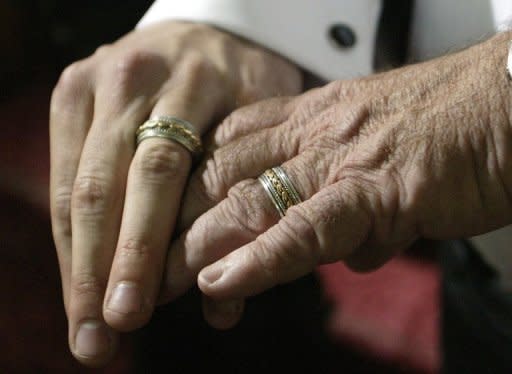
x=239 y=219
x=156 y=179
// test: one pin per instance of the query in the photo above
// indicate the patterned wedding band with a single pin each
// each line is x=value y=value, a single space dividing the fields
x=279 y=189
x=171 y=128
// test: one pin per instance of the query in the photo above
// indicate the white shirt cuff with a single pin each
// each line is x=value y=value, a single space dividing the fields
x=297 y=30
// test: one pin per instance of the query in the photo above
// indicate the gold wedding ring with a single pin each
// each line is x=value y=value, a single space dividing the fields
x=279 y=189
x=171 y=128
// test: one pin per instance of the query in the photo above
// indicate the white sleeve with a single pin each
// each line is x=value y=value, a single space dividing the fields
x=295 y=29
x=502 y=12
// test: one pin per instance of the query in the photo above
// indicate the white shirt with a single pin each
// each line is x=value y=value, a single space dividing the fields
x=299 y=30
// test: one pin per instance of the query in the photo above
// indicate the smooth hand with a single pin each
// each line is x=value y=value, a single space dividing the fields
x=424 y=151
x=113 y=205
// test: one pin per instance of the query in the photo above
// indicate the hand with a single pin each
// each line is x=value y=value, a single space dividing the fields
x=424 y=151
x=113 y=206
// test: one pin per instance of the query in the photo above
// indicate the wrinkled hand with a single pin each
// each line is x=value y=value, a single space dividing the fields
x=113 y=207
x=424 y=151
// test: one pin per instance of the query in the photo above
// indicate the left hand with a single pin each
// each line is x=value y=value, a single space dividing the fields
x=423 y=151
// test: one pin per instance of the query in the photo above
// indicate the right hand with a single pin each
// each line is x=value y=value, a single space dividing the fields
x=422 y=151
x=114 y=207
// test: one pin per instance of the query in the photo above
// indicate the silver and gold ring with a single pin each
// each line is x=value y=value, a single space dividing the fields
x=279 y=189
x=171 y=128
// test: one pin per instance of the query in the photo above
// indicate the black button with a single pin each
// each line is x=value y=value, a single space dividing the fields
x=343 y=35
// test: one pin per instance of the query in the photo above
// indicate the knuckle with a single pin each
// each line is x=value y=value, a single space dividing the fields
x=201 y=73
x=269 y=262
x=163 y=161
x=86 y=284
x=61 y=210
x=204 y=191
x=128 y=71
x=245 y=209
x=212 y=184
x=270 y=112
x=299 y=228
x=70 y=84
x=293 y=246
x=73 y=75
x=234 y=121
x=348 y=89
x=89 y=194
x=131 y=62
x=134 y=249
x=102 y=50
x=220 y=167
x=197 y=64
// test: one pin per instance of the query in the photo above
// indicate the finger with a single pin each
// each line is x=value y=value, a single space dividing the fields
x=222 y=315
x=244 y=158
x=156 y=179
x=71 y=113
x=235 y=221
x=122 y=101
x=248 y=156
x=268 y=113
x=326 y=228
x=248 y=119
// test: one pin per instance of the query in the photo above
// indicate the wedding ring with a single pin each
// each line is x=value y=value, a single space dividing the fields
x=171 y=128
x=279 y=189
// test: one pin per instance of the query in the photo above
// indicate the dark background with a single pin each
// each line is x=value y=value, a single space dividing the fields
x=39 y=38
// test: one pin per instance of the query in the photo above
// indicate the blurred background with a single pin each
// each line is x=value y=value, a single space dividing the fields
x=41 y=37
x=386 y=322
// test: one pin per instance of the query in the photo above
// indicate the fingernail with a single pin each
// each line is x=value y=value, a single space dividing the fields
x=92 y=339
x=211 y=274
x=126 y=298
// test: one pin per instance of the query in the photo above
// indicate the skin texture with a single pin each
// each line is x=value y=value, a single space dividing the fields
x=423 y=151
x=114 y=207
